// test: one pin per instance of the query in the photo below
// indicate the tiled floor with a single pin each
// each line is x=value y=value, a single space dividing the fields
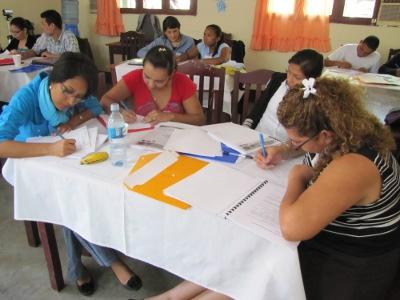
x=23 y=272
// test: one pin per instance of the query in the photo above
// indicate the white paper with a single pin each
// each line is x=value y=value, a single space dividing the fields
x=138 y=124
x=259 y=213
x=151 y=169
x=214 y=188
x=193 y=141
x=379 y=79
x=240 y=138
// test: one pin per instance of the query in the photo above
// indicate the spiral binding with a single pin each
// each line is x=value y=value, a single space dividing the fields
x=251 y=194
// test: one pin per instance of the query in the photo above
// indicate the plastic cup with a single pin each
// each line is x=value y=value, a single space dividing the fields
x=17 y=60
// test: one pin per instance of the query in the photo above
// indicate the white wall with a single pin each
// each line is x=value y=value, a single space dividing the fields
x=237 y=19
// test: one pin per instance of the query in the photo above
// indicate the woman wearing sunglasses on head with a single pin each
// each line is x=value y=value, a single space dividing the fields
x=343 y=203
x=23 y=37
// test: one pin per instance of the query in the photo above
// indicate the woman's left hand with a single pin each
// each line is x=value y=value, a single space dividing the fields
x=64 y=128
x=154 y=117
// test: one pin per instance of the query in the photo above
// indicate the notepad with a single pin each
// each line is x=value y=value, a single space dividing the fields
x=245 y=200
x=258 y=212
x=214 y=188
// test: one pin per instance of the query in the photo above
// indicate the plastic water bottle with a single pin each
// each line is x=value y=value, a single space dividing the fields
x=116 y=128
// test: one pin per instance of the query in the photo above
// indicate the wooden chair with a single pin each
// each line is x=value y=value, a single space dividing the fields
x=201 y=74
x=131 y=42
x=258 y=78
x=393 y=52
x=84 y=47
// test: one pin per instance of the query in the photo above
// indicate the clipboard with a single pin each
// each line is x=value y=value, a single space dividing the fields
x=154 y=188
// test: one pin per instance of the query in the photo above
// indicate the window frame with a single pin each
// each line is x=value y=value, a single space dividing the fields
x=337 y=15
x=165 y=10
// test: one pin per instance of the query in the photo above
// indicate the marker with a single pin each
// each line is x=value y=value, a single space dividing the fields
x=237 y=154
x=262 y=144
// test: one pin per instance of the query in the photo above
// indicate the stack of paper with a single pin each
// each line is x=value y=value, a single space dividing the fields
x=379 y=79
x=87 y=140
x=240 y=138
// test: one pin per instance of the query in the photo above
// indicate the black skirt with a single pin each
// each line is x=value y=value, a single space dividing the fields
x=332 y=275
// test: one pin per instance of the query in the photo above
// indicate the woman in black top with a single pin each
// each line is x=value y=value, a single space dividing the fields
x=343 y=204
x=23 y=37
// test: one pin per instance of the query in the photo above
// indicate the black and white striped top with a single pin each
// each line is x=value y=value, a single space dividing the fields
x=372 y=228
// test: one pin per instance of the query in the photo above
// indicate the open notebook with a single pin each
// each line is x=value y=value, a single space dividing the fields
x=246 y=200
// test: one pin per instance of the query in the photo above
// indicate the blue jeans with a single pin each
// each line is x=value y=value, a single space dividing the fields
x=74 y=243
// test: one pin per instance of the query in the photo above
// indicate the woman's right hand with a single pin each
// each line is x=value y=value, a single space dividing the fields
x=63 y=147
x=129 y=115
x=274 y=156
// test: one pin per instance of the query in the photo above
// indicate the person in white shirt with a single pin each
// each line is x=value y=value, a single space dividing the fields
x=54 y=40
x=362 y=56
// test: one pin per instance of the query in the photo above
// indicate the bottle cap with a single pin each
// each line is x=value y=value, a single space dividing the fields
x=114 y=107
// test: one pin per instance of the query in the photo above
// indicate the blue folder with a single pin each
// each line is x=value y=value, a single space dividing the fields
x=225 y=157
x=28 y=69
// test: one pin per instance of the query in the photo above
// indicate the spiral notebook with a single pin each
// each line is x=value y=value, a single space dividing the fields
x=245 y=200
x=258 y=212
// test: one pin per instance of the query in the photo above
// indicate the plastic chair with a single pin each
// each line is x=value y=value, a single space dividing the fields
x=205 y=73
x=259 y=78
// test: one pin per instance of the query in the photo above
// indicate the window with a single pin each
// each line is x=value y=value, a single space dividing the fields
x=170 y=7
x=363 y=12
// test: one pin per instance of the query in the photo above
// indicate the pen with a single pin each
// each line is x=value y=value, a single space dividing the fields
x=123 y=105
x=237 y=154
x=261 y=140
x=60 y=135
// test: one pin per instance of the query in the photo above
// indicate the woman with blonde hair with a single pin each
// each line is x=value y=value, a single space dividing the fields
x=343 y=203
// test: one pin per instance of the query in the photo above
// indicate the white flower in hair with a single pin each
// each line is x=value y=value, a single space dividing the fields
x=308 y=87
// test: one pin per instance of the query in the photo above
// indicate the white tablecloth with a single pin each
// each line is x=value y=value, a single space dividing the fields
x=195 y=245
x=123 y=68
x=11 y=82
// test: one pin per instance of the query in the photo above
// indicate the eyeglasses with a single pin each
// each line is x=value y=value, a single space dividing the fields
x=297 y=146
x=70 y=93
x=15 y=32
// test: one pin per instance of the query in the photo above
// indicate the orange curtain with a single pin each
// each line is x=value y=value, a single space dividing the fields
x=109 y=19
x=285 y=33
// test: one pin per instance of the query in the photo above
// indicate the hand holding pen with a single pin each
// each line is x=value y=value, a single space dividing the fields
x=62 y=148
x=128 y=114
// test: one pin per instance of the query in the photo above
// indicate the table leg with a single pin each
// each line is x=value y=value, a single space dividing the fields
x=32 y=233
x=50 y=249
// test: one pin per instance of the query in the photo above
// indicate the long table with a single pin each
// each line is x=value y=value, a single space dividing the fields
x=193 y=244
x=10 y=82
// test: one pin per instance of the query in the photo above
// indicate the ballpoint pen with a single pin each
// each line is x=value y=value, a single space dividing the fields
x=60 y=135
x=262 y=144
